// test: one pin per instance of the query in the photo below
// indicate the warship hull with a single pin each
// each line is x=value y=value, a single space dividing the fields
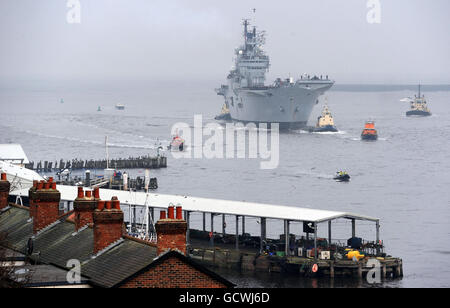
x=289 y=106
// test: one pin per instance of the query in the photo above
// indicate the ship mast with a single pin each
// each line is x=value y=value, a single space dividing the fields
x=246 y=24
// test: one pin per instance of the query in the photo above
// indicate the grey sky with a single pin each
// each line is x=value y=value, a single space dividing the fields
x=195 y=39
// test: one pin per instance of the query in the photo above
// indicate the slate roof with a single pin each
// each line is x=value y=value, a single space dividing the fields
x=60 y=243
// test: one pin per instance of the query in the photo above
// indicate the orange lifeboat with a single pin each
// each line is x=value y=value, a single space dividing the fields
x=369 y=132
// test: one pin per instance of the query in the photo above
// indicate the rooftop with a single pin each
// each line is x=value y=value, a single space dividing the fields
x=13 y=153
x=215 y=206
x=56 y=245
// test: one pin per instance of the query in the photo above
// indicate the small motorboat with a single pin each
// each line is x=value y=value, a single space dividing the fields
x=342 y=177
x=369 y=133
x=120 y=107
x=177 y=144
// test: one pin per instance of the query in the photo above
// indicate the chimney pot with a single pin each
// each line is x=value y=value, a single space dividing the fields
x=50 y=179
x=47 y=186
x=179 y=213
x=88 y=194
x=97 y=193
x=171 y=212
x=116 y=205
x=162 y=215
x=80 y=193
x=53 y=185
x=108 y=205
x=4 y=177
x=101 y=205
x=40 y=185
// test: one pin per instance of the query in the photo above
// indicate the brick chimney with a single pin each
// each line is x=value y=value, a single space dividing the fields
x=84 y=207
x=108 y=224
x=32 y=197
x=46 y=205
x=5 y=186
x=171 y=231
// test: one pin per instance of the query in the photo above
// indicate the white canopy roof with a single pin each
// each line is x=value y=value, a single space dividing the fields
x=193 y=204
x=13 y=153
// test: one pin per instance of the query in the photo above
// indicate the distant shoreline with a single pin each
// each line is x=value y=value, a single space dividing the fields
x=386 y=88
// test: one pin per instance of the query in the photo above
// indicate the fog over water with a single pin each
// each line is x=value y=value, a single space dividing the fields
x=154 y=40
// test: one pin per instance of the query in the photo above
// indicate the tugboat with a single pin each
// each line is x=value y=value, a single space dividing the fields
x=369 y=133
x=120 y=107
x=342 y=176
x=224 y=115
x=325 y=123
x=177 y=144
x=419 y=107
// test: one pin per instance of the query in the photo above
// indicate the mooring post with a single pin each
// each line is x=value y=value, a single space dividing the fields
x=286 y=238
x=263 y=235
x=211 y=235
x=224 y=225
x=329 y=234
x=378 y=237
x=237 y=232
x=187 y=215
x=353 y=227
x=204 y=222
x=315 y=241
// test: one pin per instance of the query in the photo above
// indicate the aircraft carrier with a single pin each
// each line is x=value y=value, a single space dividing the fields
x=288 y=102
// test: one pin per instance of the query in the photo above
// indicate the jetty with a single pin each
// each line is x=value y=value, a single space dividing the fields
x=141 y=162
x=299 y=251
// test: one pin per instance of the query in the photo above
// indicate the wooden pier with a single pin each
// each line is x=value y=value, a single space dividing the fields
x=251 y=260
x=142 y=162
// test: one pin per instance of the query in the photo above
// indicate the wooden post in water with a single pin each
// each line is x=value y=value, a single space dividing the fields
x=224 y=225
x=353 y=228
x=329 y=234
x=263 y=235
x=286 y=238
x=237 y=232
x=204 y=222
x=211 y=236
x=315 y=241
x=187 y=216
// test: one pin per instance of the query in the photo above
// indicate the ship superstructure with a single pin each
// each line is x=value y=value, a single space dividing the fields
x=288 y=102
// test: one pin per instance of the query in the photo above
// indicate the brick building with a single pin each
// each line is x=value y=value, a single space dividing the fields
x=93 y=235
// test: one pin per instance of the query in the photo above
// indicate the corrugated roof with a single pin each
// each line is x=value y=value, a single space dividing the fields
x=215 y=206
x=13 y=153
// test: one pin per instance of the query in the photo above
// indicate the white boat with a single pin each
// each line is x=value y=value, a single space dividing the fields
x=120 y=107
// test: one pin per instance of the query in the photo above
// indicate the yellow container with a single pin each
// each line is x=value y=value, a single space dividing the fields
x=355 y=254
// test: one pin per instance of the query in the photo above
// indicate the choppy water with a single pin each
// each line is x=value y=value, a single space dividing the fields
x=403 y=178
